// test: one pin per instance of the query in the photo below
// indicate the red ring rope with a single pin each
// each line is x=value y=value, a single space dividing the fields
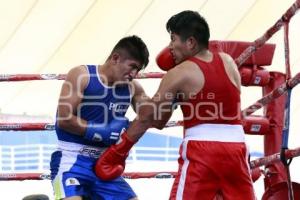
x=291 y=153
x=32 y=77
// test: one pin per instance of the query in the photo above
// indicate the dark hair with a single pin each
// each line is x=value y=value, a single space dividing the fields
x=133 y=47
x=189 y=23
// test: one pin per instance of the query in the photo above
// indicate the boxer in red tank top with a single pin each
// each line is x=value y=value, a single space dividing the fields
x=213 y=155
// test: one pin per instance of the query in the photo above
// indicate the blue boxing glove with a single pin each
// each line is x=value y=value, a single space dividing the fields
x=108 y=134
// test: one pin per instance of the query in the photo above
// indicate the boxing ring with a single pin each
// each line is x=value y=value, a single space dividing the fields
x=273 y=125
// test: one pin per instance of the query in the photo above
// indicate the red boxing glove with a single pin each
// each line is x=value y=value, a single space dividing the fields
x=111 y=163
x=255 y=174
x=165 y=59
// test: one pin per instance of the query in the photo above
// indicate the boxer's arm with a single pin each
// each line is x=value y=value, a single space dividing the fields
x=69 y=100
x=231 y=70
x=112 y=162
x=139 y=96
x=165 y=97
x=158 y=110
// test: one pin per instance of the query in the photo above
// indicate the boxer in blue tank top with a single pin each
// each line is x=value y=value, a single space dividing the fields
x=90 y=118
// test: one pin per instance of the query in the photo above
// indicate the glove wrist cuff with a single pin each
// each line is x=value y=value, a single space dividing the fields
x=90 y=133
x=124 y=144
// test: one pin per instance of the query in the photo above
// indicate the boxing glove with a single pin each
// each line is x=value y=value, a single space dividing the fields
x=108 y=134
x=165 y=60
x=111 y=163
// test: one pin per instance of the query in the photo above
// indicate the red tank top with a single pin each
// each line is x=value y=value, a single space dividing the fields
x=219 y=100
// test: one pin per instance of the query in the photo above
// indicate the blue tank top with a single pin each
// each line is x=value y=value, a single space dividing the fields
x=100 y=104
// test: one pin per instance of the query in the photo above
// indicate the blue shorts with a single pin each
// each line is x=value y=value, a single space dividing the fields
x=72 y=174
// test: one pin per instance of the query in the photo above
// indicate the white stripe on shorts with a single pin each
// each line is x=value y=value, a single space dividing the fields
x=180 y=189
x=216 y=132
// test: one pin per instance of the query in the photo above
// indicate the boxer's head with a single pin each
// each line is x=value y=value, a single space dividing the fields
x=189 y=34
x=129 y=56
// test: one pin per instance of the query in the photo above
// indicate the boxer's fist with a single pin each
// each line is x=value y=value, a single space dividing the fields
x=165 y=59
x=108 y=134
x=111 y=163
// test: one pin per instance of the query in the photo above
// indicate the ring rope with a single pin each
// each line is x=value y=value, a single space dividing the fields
x=239 y=61
x=33 y=77
x=276 y=93
x=51 y=126
x=286 y=122
x=268 y=34
x=287 y=51
x=291 y=153
x=285 y=18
